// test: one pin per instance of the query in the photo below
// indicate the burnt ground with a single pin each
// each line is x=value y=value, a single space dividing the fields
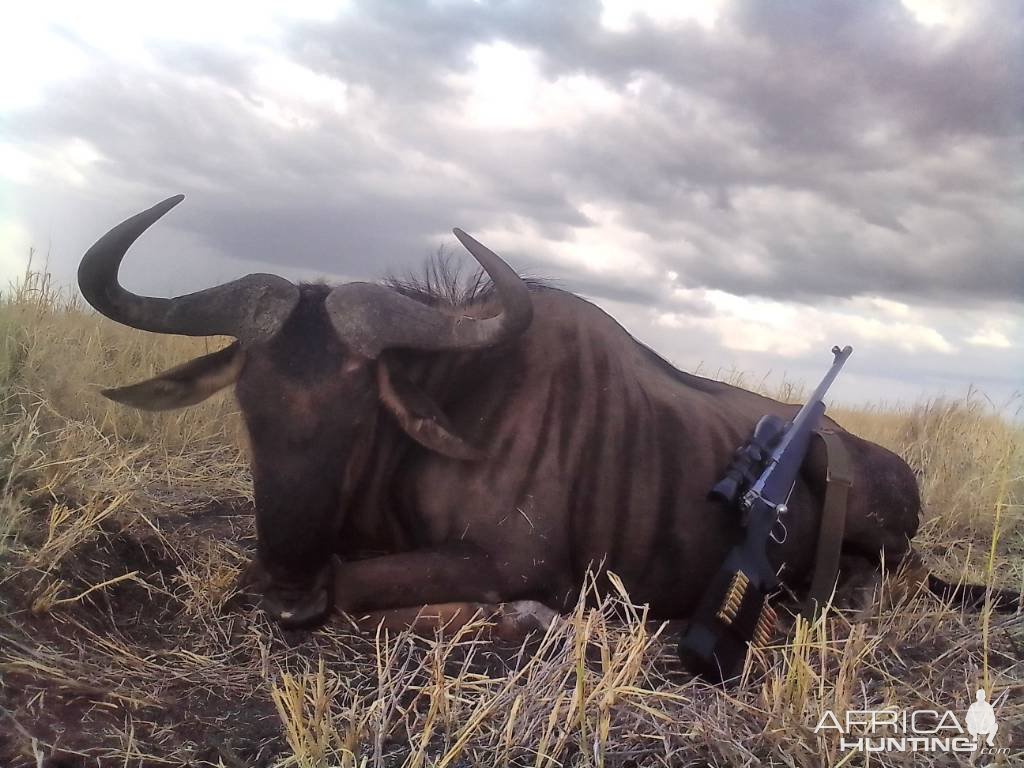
x=84 y=677
x=170 y=667
x=174 y=666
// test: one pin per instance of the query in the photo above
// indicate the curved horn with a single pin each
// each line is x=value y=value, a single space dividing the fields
x=371 y=318
x=250 y=308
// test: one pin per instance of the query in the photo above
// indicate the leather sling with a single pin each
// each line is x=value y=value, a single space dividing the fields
x=838 y=480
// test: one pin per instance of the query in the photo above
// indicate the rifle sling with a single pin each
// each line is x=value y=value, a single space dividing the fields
x=838 y=480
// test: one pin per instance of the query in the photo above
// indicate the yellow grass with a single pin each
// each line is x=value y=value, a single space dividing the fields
x=119 y=612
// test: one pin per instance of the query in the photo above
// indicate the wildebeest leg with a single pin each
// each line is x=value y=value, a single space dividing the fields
x=859 y=582
x=414 y=579
x=865 y=587
x=511 y=622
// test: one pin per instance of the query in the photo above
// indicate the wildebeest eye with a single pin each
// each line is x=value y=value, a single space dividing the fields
x=420 y=417
x=354 y=365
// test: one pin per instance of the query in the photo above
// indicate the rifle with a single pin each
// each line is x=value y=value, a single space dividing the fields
x=734 y=610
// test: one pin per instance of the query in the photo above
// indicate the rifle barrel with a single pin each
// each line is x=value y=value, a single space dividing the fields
x=809 y=410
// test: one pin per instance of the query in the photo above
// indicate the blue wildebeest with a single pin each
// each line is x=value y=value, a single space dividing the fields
x=413 y=447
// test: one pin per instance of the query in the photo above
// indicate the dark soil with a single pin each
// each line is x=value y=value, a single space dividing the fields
x=57 y=684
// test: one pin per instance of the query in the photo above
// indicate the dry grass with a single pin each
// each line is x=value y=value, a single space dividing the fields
x=123 y=640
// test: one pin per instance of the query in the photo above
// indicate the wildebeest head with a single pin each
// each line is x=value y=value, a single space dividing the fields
x=308 y=377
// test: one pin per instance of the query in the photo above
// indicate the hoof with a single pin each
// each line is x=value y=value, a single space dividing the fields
x=306 y=612
x=517 y=620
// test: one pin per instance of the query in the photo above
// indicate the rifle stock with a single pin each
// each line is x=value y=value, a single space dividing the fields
x=734 y=611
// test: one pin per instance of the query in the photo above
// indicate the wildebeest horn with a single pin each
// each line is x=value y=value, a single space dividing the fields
x=250 y=308
x=371 y=318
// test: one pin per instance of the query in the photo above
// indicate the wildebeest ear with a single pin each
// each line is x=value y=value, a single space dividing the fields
x=420 y=416
x=186 y=384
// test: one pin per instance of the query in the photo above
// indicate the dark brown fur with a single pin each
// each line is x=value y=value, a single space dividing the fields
x=544 y=441
x=597 y=451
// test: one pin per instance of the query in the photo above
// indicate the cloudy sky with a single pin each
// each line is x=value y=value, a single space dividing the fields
x=741 y=183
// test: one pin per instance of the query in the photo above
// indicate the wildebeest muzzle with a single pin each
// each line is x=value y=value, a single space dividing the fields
x=298 y=605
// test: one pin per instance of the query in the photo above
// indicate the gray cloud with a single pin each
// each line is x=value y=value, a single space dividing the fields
x=819 y=140
x=852 y=105
x=803 y=152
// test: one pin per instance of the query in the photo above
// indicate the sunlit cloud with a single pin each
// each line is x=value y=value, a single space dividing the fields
x=506 y=89
x=743 y=323
x=990 y=337
x=15 y=242
x=938 y=13
x=16 y=164
x=44 y=43
x=622 y=15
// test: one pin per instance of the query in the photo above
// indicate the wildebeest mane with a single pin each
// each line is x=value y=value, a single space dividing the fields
x=688 y=379
x=442 y=281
